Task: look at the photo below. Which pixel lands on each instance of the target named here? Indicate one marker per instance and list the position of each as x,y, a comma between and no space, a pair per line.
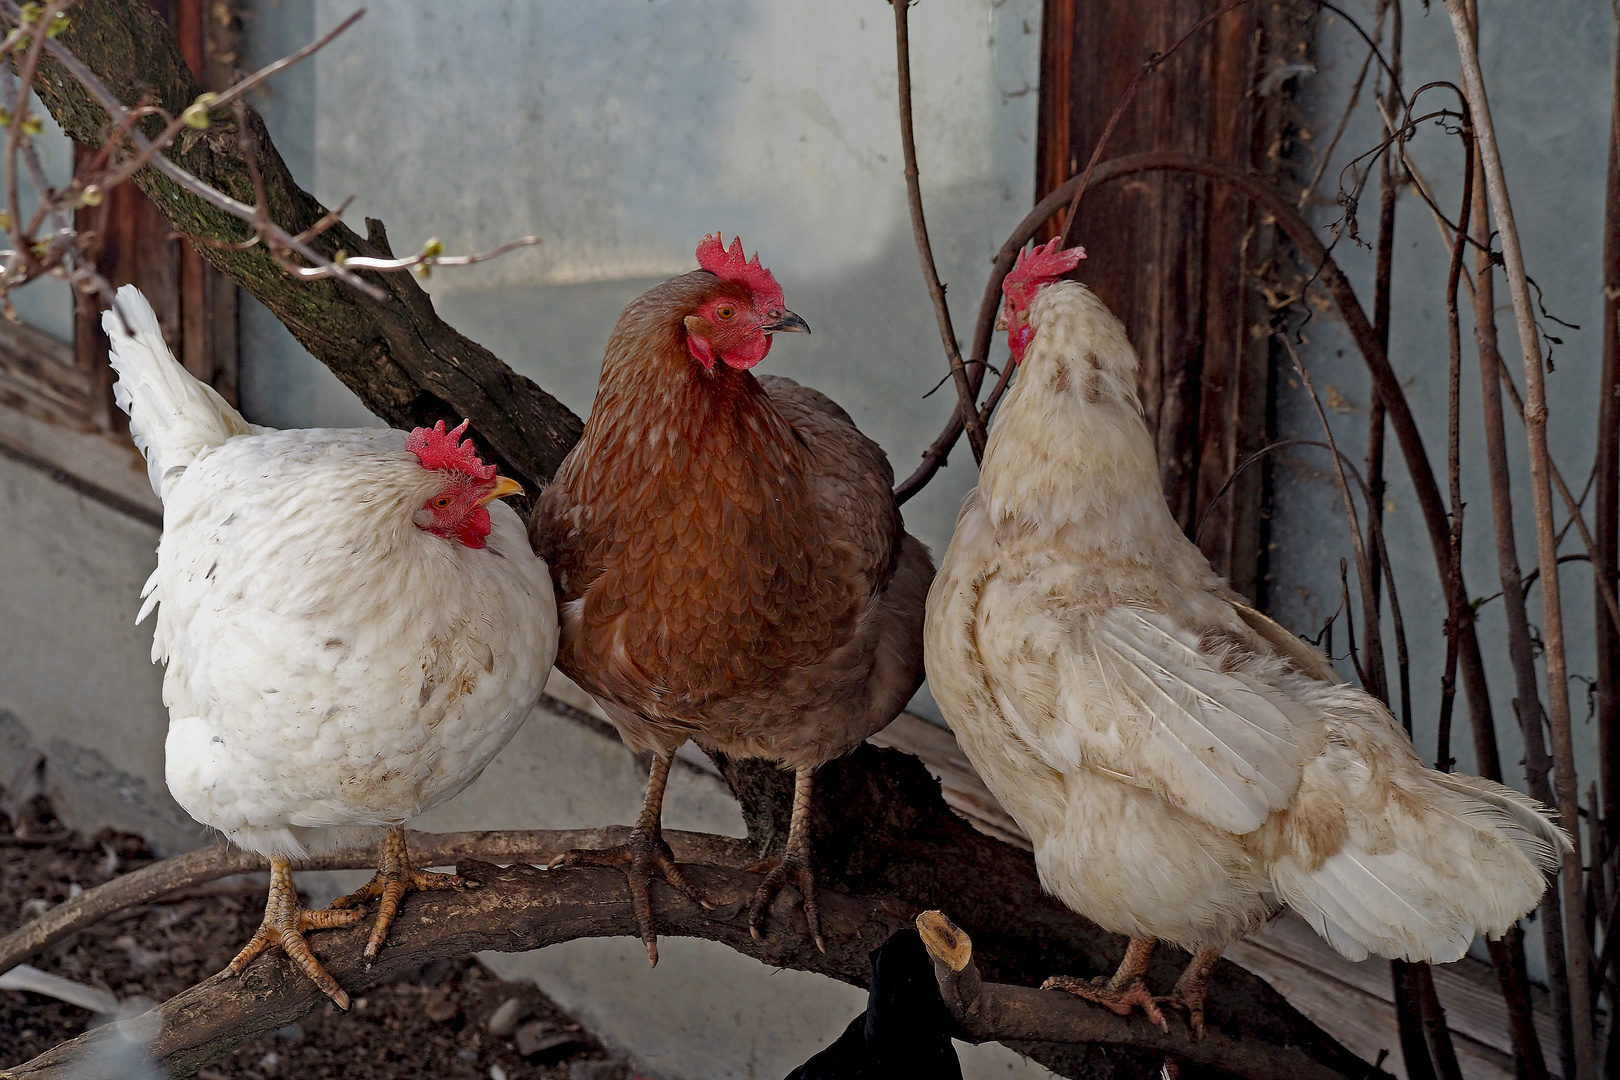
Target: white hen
353,626
1183,765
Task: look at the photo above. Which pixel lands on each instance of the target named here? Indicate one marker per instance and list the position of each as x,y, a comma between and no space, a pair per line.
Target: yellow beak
504,486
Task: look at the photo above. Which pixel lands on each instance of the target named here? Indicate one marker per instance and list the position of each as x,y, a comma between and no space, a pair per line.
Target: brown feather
730,562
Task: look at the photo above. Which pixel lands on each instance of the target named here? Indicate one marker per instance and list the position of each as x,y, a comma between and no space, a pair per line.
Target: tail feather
1531,831
172,416
1476,862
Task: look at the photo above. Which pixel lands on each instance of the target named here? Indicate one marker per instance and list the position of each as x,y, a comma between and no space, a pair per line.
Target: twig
966,391
1357,544
1389,183
277,236
1338,131
1606,545
1017,1014
241,87
1535,416
1454,590
426,259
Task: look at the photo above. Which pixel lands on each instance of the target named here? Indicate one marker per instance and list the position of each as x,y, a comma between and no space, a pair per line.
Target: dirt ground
435,1023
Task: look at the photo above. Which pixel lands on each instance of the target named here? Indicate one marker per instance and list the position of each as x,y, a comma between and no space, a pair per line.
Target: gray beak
786,323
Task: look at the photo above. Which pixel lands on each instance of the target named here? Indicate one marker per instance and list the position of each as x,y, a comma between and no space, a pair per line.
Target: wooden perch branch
1019,1014
515,909
884,827
535,846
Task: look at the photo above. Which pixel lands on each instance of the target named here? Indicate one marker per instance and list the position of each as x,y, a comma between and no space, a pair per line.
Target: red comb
732,266
437,448
1044,264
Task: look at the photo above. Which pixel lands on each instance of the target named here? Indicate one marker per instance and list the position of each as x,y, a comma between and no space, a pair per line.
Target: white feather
172,416
330,665
1181,763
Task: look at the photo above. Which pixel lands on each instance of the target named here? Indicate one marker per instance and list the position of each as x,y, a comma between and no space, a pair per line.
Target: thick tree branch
406,364
536,846
515,909
1018,1014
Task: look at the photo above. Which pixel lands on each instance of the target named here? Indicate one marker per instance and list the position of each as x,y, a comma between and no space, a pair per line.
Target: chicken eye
442,502
725,311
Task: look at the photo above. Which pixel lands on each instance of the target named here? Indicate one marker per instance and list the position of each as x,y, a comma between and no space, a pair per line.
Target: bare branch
966,391
428,849
995,1011
1576,945
515,909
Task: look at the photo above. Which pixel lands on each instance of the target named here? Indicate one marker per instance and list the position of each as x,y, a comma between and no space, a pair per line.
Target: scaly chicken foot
641,856
1192,988
794,864
285,921
1123,993
394,878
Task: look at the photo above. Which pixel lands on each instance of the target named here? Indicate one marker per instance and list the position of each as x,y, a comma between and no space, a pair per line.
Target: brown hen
731,565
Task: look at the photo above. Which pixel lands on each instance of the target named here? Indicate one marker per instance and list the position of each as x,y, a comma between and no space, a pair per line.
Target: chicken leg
394,878
1126,990
285,921
1193,987
793,864
639,857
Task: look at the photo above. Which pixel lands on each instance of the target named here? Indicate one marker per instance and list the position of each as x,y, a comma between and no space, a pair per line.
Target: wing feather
1129,695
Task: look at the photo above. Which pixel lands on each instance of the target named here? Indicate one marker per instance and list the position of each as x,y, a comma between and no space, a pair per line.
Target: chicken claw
791,866
285,921
1192,988
795,864
643,855
1121,1000
394,878
1126,991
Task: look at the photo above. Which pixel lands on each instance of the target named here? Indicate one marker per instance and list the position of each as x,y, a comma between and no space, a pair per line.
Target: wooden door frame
1177,257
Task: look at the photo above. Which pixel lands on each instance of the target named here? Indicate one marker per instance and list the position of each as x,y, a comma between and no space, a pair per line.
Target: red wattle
474,528
749,353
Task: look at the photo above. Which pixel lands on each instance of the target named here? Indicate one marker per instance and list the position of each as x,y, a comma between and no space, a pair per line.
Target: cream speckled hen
731,564
353,626
1183,765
